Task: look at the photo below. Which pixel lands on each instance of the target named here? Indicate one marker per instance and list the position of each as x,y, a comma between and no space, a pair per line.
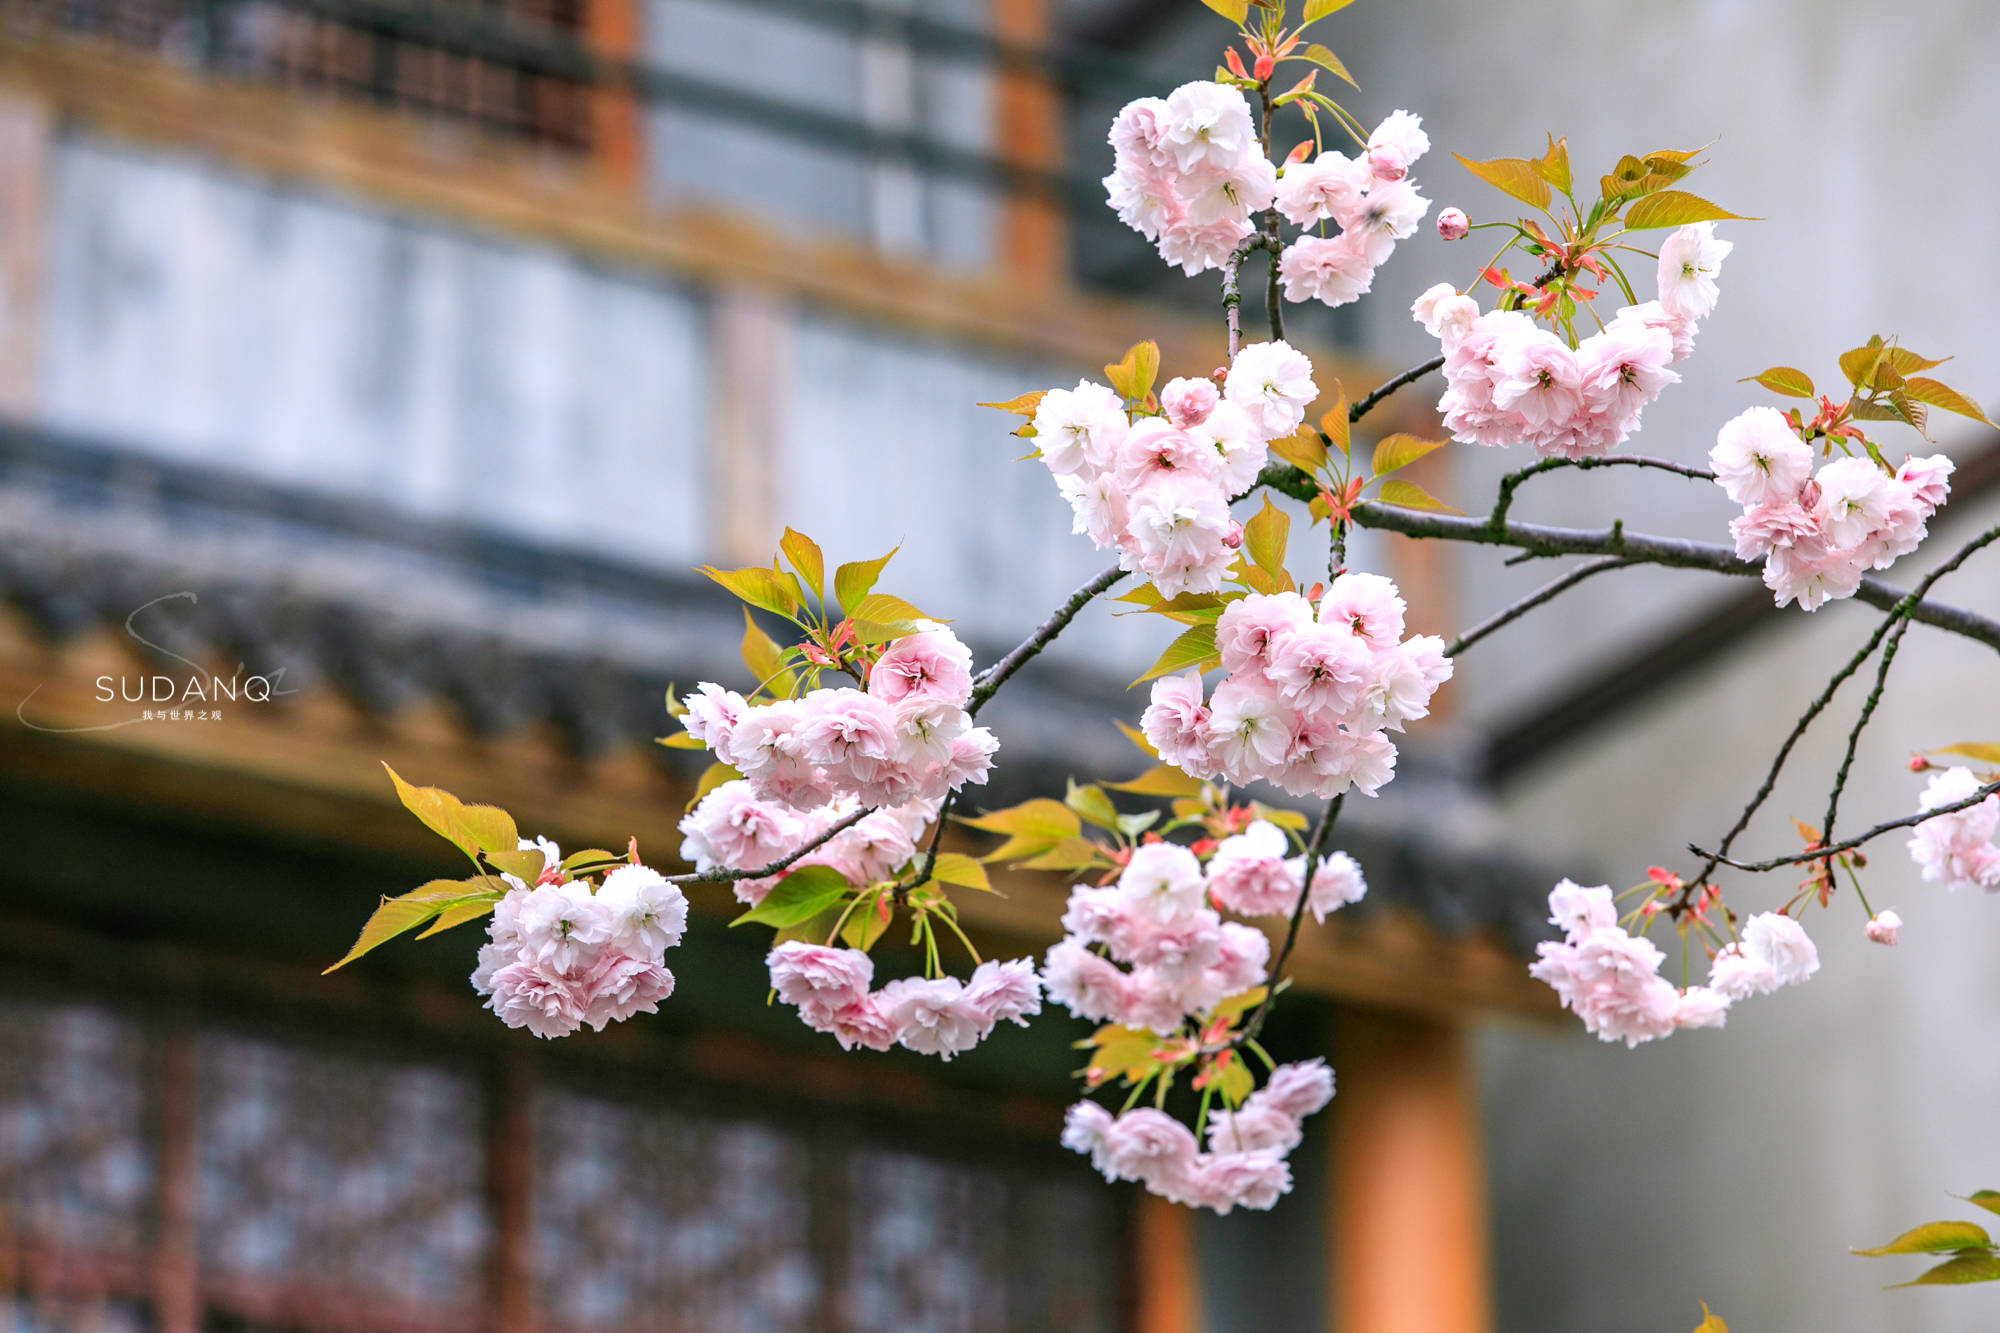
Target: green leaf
806,557
394,916
470,828
1069,854
1328,61
1934,1237
590,856
1040,817
680,740
1334,423
1987,1199
1785,380
1022,406
1675,208
1515,176
1091,803
865,925
760,587
960,869
1974,1267
852,581
1133,376
1138,738
1134,824
1951,400
1265,538
1193,648
457,915
1399,451
1409,495
1160,780
798,898
1233,10
1319,9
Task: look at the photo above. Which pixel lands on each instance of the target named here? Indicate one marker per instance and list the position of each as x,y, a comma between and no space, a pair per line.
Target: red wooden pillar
1029,130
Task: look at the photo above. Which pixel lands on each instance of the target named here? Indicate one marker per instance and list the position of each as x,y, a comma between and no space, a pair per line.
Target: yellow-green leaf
1784,379
1328,61
760,587
1091,803
1022,406
1234,1081
470,828
1987,1199
590,856
1319,9
1160,780
394,916
1711,1322
763,658
1399,451
525,865
458,914
1934,1237
1266,536
1674,208
1938,395
1069,854
806,557
1961,1269
680,740
1194,648
960,869
1133,376
1303,449
1040,818
1138,738
852,581
1233,10
711,777
1334,422
1515,176
1553,166
1409,495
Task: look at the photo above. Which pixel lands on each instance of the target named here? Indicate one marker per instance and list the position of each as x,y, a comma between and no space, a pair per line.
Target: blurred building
406,356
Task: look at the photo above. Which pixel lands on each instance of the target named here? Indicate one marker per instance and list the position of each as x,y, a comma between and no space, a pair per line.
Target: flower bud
1453,225
1233,539
1919,764
1263,68
1883,926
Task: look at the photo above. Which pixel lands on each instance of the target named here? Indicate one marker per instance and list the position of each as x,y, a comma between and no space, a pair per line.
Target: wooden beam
1028,133
1166,1268
457,174
1408,1198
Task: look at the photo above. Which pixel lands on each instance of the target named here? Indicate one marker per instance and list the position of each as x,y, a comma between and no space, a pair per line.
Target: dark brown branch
1512,481
1547,592
724,875
1314,850
992,678
1363,406
1860,839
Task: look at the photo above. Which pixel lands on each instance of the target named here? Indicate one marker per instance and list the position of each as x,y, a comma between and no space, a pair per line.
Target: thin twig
1547,592
723,875
993,677
1363,406
1849,844
1510,483
1314,850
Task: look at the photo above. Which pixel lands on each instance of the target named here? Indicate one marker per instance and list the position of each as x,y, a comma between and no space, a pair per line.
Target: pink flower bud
1188,402
1883,926
1453,225
1233,538
1919,764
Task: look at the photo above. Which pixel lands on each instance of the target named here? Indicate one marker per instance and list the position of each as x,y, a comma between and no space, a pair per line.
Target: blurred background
405,354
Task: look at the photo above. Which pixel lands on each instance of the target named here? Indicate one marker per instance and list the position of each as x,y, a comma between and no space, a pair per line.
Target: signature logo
198,695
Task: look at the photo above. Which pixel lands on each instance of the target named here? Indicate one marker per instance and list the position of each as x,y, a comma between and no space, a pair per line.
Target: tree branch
1547,592
1314,850
1512,481
988,682
723,875
1822,853
1362,407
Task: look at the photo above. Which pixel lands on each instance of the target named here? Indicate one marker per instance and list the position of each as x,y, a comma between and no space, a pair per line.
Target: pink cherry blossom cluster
1244,1165
1957,849
1306,697
1369,196
939,1016
1250,874
906,738
732,829
1818,535
1189,173
1184,958
1611,979
1509,380
560,955
1157,488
